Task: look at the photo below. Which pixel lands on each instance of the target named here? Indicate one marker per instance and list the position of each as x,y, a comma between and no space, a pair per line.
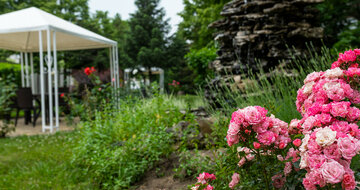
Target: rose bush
330,136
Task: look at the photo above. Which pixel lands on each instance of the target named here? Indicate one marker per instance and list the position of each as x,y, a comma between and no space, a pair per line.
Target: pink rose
316,161
266,138
256,145
347,56
209,187
348,182
315,178
250,157
347,147
237,117
353,114
234,180
278,181
253,116
307,183
287,168
312,77
340,109
332,152
242,161
332,171
313,147
297,142
335,64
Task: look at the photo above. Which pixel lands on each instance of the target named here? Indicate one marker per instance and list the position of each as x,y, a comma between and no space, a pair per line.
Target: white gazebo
33,30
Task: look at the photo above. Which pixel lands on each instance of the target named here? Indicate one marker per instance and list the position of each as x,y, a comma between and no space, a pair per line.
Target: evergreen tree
148,36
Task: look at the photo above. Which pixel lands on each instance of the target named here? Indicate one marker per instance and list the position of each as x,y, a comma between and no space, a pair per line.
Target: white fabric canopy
33,30
19,32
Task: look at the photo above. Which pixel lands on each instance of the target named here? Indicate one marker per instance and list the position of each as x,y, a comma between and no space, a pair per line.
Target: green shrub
115,149
198,61
10,68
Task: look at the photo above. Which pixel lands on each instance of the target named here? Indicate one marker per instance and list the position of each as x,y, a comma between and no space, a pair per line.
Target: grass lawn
40,162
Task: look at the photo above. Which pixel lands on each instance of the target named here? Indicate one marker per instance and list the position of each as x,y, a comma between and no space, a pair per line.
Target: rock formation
257,33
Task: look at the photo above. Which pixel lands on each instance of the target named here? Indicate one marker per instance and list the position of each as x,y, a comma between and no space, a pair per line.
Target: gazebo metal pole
27,70
56,84
117,67
113,61
32,73
49,63
42,84
111,67
117,76
22,69
114,75
161,80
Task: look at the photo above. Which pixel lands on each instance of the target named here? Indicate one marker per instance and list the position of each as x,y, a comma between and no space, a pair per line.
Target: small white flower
308,87
334,73
325,137
304,143
331,85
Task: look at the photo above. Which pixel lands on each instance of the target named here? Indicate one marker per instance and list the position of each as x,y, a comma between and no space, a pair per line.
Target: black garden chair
24,101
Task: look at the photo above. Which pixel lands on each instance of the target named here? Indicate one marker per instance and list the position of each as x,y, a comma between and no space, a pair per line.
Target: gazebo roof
19,32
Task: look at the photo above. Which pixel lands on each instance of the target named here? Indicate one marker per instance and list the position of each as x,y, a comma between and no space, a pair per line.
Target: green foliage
94,98
276,91
40,162
117,148
337,16
192,163
14,69
178,69
147,38
7,93
198,61
197,15
349,38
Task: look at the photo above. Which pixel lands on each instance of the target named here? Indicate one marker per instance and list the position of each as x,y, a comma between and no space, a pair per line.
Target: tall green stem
264,171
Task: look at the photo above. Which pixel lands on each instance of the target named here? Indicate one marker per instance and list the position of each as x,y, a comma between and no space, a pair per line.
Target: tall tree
197,15
148,35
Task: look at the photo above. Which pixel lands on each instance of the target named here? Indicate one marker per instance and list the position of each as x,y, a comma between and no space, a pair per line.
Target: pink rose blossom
278,181
332,152
347,147
347,56
242,162
332,171
297,142
340,109
234,180
316,161
348,182
287,168
266,138
253,116
256,145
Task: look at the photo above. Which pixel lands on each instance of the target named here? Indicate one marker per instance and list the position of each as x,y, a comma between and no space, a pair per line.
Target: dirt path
162,177
22,129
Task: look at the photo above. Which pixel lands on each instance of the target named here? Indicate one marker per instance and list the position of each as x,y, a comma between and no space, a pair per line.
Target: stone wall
258,33
263,29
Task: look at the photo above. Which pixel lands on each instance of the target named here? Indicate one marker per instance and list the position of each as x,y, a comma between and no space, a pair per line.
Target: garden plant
328,103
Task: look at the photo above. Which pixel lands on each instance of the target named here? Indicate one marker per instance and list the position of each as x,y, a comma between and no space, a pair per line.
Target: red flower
297,142
88,71
62,95
256,145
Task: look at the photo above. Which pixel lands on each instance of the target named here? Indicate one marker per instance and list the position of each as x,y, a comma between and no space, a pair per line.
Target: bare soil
162,177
